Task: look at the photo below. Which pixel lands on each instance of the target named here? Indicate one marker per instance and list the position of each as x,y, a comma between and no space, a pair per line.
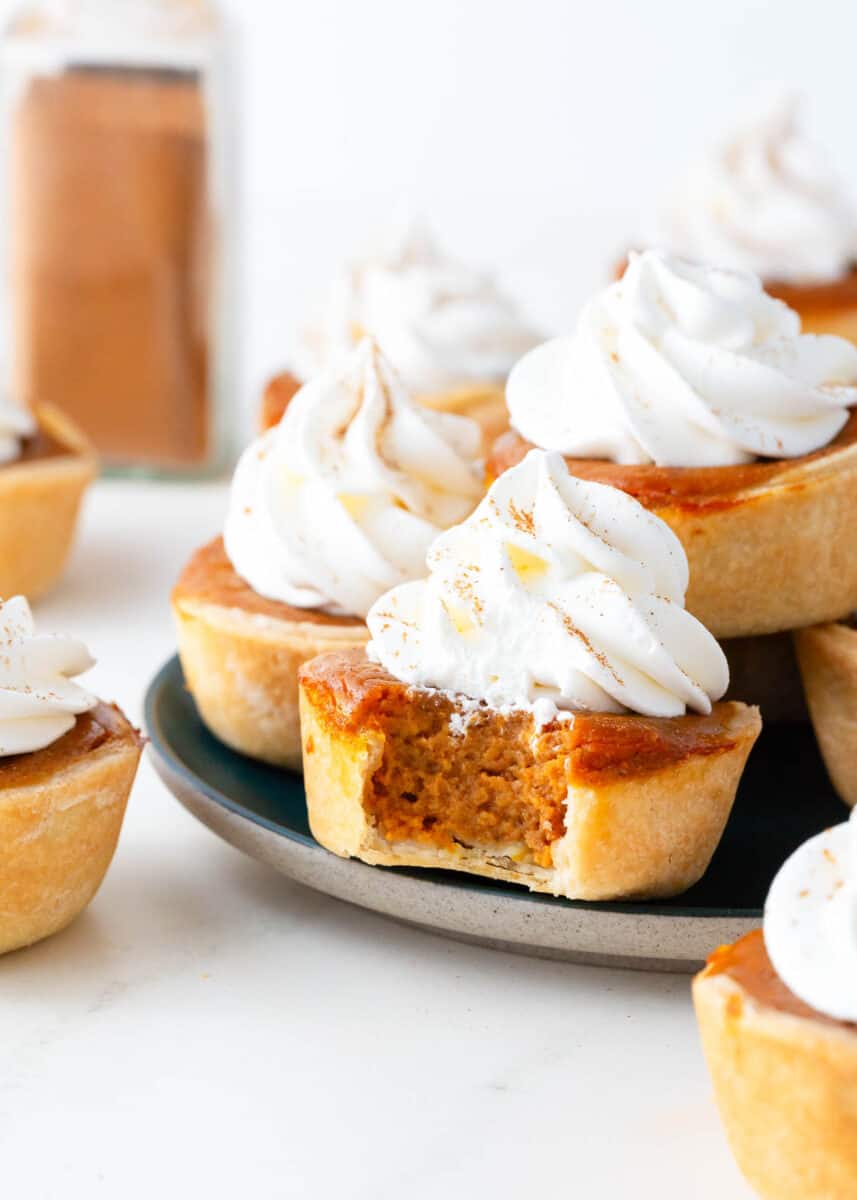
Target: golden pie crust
785,1078
770,543
40,496
484,403
604,807
61,810
827,655
241,652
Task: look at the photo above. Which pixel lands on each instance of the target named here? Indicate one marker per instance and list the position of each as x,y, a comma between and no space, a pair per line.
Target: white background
533,134
207,1028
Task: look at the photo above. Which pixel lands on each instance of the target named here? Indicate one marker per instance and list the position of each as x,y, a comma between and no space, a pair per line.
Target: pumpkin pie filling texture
450,776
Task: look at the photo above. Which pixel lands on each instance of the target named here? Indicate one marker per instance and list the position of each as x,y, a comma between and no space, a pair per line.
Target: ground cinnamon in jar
110,258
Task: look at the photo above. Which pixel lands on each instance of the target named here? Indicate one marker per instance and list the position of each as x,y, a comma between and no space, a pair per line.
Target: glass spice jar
121,224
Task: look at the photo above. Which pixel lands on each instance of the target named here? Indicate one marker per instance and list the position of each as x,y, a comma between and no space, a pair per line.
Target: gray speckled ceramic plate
784,798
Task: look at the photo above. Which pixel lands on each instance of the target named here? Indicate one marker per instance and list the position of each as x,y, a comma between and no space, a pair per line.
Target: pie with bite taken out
785,1077
604,806
40,496
61,810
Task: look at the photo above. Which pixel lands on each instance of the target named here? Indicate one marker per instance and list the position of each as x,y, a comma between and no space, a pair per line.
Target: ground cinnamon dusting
572,630
111,258
523,521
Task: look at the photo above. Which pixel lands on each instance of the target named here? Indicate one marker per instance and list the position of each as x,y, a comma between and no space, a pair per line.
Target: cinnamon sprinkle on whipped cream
811,922
342,499
684,365
580,607
39,700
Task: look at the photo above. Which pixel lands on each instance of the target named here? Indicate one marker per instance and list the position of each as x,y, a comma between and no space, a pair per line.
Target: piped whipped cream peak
39,699
16,424
342,499
764,200
684,365
811,922
556,594
442,324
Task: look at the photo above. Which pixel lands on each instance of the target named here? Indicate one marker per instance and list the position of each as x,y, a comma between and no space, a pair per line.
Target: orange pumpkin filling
674,487
91,730
210,578
462,774
748,964
276,399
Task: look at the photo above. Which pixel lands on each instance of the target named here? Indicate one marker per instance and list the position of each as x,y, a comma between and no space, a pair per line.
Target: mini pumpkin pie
827,655
778,1016
45,467
521,713
67,763
330,508
765,200
448,331
695,392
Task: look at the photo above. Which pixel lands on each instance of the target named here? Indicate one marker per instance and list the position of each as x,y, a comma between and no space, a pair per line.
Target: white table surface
210,1029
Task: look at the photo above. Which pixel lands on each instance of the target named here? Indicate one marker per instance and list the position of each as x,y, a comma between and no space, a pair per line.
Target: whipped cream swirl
38,697
684,365
341,500
441,324
765,201
811,922
556,593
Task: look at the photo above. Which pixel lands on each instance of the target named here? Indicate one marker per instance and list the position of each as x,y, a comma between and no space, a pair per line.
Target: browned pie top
91,730
748,964
352,693
276,399
210,578
675,487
